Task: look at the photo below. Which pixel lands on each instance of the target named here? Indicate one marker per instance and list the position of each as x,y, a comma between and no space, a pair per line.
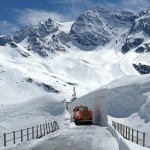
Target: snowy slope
23,78
34,76
32,113
49,57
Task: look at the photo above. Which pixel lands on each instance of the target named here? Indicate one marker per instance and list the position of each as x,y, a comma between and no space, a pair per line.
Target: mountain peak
148,11
50,20
98,26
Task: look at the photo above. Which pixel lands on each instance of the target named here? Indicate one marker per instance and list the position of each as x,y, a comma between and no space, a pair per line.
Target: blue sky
17,13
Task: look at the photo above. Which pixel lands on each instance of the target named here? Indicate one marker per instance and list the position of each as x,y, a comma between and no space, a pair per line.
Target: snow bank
127,96
123,143
96,102
32,113
128,102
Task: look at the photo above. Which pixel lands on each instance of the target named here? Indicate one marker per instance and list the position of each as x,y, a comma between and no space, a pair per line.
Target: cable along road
80,138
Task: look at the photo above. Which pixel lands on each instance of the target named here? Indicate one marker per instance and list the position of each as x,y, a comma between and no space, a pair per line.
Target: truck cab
82,115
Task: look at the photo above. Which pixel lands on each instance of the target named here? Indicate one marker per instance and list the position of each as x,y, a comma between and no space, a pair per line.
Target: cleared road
80,138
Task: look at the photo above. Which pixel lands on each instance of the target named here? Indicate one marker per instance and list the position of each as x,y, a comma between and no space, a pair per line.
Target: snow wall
96,102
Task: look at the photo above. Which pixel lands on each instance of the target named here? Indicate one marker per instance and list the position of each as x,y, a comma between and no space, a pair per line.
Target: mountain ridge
87,53
85,32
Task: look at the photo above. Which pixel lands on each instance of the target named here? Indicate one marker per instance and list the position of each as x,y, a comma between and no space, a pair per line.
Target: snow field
87,69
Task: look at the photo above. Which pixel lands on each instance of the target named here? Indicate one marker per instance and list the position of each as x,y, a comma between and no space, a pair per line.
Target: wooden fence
130,134
30,133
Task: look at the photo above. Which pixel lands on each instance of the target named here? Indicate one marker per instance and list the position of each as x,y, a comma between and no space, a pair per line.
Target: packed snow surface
80,138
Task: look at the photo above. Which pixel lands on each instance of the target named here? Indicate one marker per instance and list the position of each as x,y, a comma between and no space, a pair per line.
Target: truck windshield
83,108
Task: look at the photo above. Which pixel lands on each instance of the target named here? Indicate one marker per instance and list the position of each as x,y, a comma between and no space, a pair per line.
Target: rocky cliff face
43,39
98,26
53,57
138,33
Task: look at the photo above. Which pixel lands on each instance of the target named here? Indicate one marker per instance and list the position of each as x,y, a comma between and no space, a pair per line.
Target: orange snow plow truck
82,115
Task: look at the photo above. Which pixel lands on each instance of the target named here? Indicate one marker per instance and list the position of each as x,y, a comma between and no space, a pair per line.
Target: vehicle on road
82,115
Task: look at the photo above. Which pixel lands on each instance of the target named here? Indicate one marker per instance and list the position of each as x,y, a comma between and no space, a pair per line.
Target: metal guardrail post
32,132
132,135
21,135
41,130
44,128
37,131
123,130
115,125
27,134
54,126
128,133
4,139
137,138
49,128
144,139
14,138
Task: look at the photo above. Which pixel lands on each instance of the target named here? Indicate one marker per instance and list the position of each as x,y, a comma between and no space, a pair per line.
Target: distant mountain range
99,30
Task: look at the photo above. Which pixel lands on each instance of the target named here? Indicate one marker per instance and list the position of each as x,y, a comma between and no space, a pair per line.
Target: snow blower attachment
82,115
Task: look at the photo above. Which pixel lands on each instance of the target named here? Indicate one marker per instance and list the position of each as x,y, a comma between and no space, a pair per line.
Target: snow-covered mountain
99,26
41,39
100,46
52,57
